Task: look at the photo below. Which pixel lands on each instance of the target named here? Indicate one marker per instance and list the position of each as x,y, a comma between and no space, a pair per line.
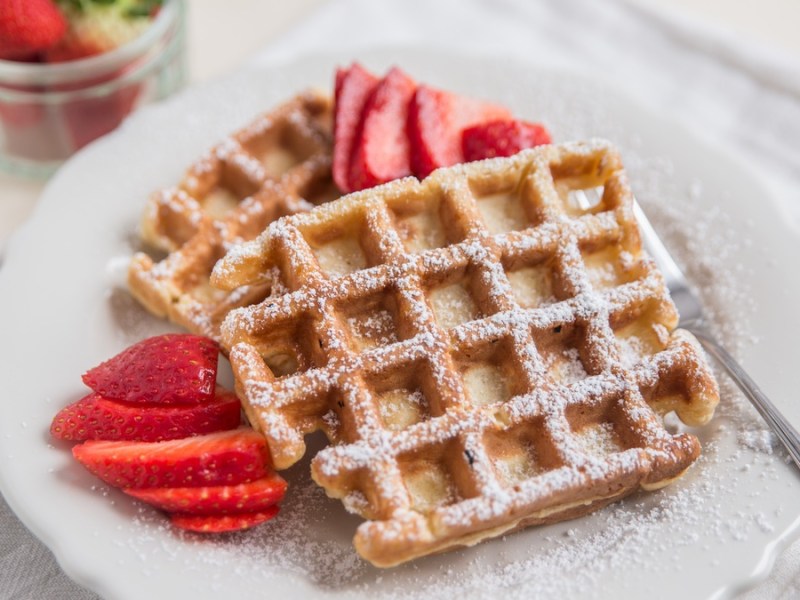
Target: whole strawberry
28,27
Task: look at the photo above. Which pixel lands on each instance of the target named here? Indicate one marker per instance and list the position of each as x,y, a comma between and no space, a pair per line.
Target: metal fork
691,319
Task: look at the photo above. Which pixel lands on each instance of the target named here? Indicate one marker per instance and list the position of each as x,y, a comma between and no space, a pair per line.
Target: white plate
61,312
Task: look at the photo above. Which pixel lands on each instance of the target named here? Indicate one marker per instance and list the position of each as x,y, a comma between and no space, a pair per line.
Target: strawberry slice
224,458
165,369
502,138
223,523
382,152
435,121
96,418
353,86
215,500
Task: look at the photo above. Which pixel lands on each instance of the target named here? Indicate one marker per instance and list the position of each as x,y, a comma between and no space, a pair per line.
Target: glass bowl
49,111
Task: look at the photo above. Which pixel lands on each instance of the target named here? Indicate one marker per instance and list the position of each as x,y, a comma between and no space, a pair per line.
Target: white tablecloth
734,92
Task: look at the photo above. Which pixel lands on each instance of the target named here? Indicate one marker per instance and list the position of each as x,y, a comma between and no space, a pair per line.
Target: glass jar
49,111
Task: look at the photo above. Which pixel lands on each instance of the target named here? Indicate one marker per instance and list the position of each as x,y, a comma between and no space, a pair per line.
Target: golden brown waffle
277,165
486,350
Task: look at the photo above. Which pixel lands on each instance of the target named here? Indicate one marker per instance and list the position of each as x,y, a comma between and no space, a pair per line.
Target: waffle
277,165
486,350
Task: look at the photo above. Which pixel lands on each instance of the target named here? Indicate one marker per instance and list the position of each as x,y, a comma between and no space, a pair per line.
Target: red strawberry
223,523
224,458
353,87
89,118
28,27
217,500
382,153
435,121
502,138
168,369
96,418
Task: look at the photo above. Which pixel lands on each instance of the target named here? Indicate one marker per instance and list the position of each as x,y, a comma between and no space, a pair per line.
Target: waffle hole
218,202
371,322
401,408
488,375
282,362
503,212
516,461
453,305
640,340
520,453
485,384
320,190
609,267
580,184
595,432
584,200
559,348
341,256
278,161
430,486
428,480
420,227
337,249
402,395
532,286
278,148
599,440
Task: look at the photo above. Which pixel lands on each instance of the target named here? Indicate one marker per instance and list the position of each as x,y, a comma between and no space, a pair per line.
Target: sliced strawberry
502,138
225,458
435,121
166,369
223,523
217,500
353,86
96,418
381,153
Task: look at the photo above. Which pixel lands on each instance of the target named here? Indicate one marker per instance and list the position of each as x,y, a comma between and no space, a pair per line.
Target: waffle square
486,350
277,165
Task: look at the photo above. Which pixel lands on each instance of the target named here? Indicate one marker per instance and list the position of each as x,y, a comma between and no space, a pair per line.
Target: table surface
770,22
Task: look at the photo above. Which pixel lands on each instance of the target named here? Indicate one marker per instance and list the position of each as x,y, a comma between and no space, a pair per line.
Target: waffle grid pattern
460,404
277,165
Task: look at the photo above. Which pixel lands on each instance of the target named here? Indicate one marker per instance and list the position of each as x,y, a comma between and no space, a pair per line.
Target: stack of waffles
486,349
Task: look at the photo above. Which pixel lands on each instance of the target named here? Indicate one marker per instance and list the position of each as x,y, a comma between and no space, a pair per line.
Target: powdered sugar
574,559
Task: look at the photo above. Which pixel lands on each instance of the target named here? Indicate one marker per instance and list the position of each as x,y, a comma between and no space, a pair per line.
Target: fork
692,319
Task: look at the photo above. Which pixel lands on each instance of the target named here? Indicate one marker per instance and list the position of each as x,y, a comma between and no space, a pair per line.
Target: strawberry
28,27
215,500
381,153
224,458
435,121
166,369
501,138
223,523
96,418
353,87
87,119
